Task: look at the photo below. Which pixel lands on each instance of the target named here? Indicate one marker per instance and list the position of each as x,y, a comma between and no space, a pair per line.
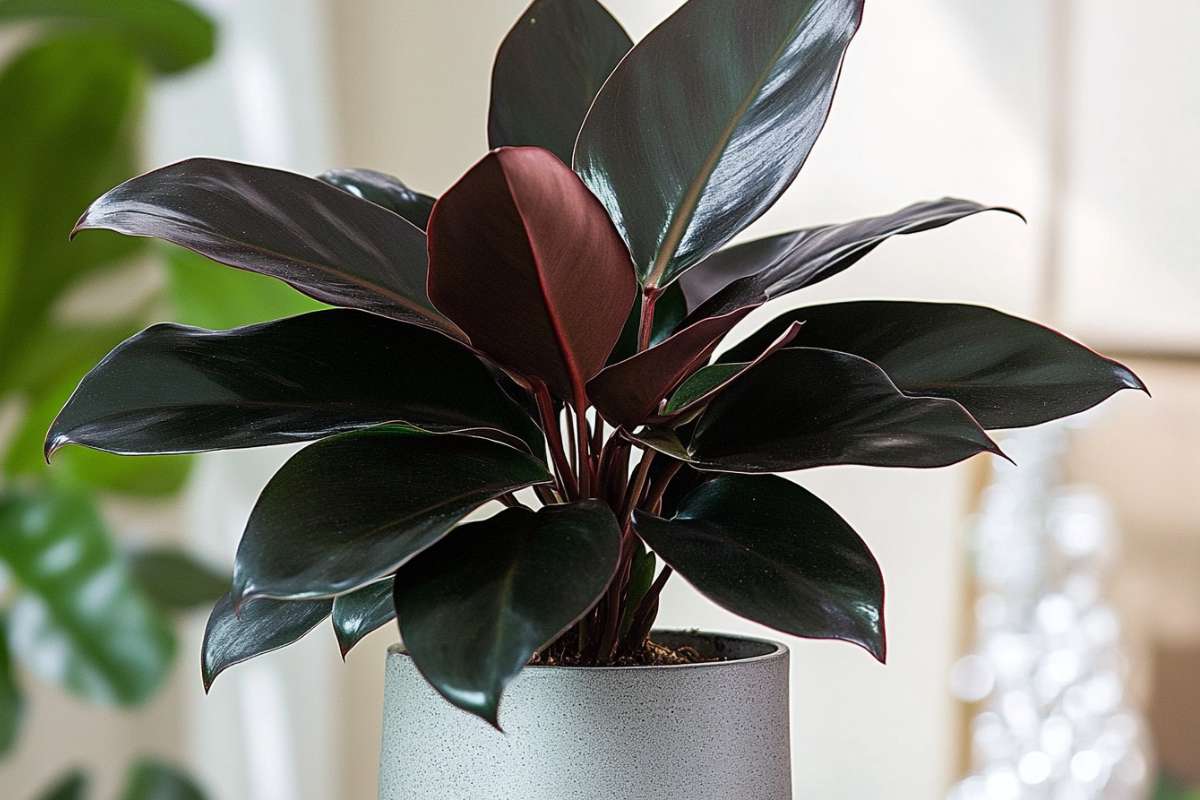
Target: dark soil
651,654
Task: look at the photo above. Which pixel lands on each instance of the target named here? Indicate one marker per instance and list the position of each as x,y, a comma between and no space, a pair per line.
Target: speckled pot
715,731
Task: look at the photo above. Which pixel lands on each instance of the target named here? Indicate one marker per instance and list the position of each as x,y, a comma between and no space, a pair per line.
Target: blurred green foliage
75,608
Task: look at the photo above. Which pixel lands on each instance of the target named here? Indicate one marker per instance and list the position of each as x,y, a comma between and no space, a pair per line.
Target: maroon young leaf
548,70
1007,372
750,274
806,407
774,553
317,238
708,119
524,259
627,393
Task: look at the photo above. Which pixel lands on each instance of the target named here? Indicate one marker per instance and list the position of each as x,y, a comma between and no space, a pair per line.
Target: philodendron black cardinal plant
543,335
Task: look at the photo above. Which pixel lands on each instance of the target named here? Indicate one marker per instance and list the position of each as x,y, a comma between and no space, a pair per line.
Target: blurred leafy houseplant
74,608
543,335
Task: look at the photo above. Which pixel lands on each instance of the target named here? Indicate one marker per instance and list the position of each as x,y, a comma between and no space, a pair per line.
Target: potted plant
542,338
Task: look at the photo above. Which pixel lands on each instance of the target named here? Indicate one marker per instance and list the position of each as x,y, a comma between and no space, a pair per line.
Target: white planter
714,731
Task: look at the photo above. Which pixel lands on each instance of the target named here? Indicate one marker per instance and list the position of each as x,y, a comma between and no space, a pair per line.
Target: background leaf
176,581
548,70
259,627
224,298
72,786
519,237
78,619
774,553
12,699
475,607
1007,372
708,119
150,779
171,35
350,509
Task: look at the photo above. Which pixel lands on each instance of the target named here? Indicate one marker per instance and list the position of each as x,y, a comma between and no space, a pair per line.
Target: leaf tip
54,442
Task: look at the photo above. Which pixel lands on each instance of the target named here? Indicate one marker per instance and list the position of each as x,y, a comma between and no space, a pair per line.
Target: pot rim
778,650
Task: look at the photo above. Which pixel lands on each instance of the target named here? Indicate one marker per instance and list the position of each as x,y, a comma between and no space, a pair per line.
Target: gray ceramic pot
714,731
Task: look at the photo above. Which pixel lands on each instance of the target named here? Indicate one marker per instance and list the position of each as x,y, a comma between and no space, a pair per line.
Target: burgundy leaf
628,392
524,259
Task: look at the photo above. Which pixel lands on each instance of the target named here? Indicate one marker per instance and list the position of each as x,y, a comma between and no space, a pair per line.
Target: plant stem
646,324
634,492
550,423
659,486
585,484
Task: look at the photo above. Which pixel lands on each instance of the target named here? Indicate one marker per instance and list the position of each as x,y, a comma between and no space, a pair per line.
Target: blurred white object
1048,668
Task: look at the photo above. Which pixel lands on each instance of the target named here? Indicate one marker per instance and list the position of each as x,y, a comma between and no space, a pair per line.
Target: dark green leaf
78,98
475,608
774,553
322,241
627,393
225,298
548,70
383,190
72,786
261,626
350,509
12,699
708,119
750,274
361,612
804,407
1007,372
171,35
79,619
176,581
149,779
507,243
176,389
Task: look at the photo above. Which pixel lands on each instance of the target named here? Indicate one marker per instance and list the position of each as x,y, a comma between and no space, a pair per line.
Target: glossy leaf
79,619
474,608
702,386
520,238
774,553
627,393
225,298
12,698
750,274
175,580
806,407
322,241
548,70
171,34
150,779
78,96
174,389
349,510
259,627
1007,372
361,612
708,119
383,190
72,786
